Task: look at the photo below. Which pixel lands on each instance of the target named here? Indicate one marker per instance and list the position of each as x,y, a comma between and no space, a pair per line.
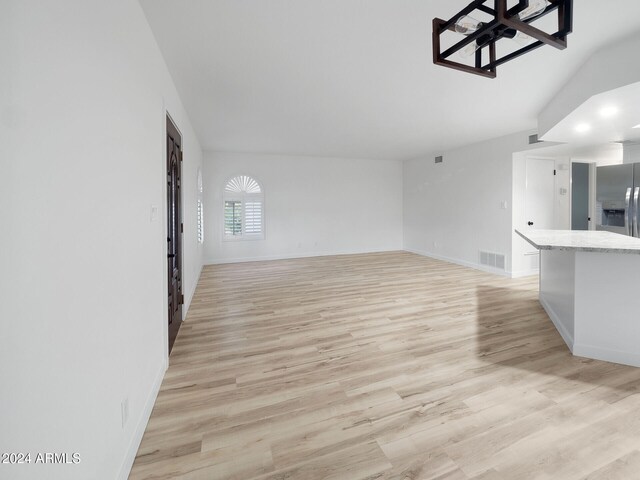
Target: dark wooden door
174,229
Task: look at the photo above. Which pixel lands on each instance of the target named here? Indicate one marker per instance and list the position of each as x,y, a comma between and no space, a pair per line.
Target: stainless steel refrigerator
617,199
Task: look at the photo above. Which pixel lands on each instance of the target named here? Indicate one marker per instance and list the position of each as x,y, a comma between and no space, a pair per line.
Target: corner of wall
141,425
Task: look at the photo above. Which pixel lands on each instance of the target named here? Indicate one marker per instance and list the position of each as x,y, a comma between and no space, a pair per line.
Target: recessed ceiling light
637,126
608,111
583,127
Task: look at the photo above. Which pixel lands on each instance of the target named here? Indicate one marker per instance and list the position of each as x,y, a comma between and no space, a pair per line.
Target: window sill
242,239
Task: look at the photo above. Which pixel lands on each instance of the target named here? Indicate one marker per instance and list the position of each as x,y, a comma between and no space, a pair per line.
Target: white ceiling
355,78
604,118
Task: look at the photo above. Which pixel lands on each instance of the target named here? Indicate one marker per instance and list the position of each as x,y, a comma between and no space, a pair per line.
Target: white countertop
580,240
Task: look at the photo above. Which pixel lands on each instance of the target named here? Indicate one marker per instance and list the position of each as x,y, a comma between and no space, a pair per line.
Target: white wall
454,209
83,289
631,152
601,155
313,206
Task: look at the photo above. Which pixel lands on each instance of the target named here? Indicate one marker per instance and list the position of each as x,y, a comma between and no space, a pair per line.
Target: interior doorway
538,208
174,229
539,194
580,186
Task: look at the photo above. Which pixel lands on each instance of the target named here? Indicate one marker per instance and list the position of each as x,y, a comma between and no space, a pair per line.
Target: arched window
243,209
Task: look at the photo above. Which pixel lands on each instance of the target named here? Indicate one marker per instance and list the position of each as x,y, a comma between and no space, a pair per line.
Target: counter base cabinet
594,301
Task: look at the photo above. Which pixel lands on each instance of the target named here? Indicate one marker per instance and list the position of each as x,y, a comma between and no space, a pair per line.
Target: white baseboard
476,266
462,263
218,261
193,292
607,355
590,351
564,333
525,273
132,450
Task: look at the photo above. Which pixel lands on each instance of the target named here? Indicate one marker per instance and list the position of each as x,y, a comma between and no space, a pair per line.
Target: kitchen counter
582,241
590,288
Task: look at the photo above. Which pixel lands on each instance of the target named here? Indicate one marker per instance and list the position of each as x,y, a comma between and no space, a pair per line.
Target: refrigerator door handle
636,195
627,211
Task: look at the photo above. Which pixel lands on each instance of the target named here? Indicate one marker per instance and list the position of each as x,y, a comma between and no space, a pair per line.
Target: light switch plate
124,410
154,213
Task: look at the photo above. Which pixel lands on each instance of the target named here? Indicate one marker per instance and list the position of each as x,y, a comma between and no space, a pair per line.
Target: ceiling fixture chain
504,22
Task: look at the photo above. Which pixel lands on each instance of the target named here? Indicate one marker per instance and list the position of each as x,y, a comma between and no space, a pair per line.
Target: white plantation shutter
233,218
253,217
243,209
200,222
242,184
200,208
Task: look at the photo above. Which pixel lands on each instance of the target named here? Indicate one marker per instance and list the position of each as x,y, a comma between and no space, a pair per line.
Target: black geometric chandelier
505,22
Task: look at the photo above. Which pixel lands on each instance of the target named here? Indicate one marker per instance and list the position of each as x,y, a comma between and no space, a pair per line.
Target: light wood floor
383,366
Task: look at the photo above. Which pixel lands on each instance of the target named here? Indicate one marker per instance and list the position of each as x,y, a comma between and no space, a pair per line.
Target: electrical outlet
124,410
153,214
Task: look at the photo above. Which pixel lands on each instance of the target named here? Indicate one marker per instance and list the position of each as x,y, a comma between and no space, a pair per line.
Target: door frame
593,171
170,125
531,254
590,194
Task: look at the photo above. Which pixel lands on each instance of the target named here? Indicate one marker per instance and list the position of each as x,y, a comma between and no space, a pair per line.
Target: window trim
243,198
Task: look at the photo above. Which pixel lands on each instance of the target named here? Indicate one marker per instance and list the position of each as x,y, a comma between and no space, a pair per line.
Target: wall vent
439,159
493,260
534,139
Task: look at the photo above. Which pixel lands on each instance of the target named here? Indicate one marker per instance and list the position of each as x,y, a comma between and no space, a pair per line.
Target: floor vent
494,260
